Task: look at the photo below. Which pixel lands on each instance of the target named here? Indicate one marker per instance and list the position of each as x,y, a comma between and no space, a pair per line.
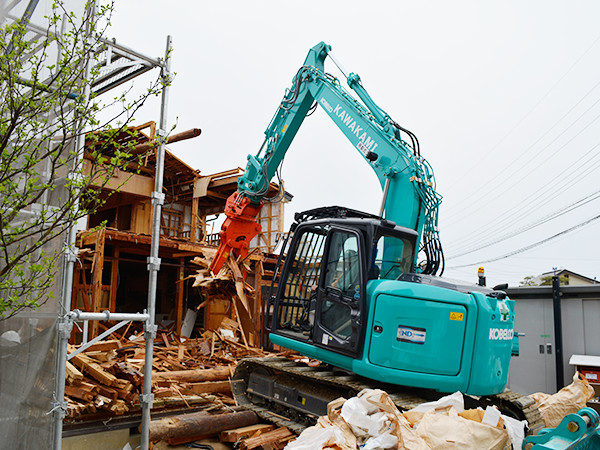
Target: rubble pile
108,376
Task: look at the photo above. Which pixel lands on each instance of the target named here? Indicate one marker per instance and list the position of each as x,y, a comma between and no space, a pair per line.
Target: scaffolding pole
65,324
67,317
158,198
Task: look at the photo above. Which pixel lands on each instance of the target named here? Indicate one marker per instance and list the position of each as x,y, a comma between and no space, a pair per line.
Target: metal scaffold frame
68,317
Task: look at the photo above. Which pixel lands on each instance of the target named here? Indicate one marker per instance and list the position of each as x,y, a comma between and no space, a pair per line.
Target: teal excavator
359,291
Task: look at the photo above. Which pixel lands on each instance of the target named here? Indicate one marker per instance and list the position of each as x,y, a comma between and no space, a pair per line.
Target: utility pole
558,345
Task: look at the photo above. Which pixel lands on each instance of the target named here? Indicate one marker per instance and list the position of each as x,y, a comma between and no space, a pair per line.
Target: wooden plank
77,392
245,319
73,374
210,387
239,282
108,392
86,365
237,316
275,436
104,355
245,432
104,346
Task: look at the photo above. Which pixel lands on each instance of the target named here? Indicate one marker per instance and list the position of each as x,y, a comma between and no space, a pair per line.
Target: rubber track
404,398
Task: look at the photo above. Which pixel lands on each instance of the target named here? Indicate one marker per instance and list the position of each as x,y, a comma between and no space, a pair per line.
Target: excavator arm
409,200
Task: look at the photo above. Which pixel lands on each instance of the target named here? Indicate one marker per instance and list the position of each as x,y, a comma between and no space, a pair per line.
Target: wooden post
98,266
194,224
180,287
76,286
114,276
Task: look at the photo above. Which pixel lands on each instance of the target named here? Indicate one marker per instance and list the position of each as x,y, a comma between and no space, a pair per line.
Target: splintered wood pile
108,376
230,285
106,380
190,377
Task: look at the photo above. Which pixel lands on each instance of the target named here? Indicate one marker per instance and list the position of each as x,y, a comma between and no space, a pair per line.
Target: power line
573,206
542,197
529,247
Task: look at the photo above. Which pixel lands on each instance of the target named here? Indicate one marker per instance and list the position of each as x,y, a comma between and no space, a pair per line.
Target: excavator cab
322,294
349,295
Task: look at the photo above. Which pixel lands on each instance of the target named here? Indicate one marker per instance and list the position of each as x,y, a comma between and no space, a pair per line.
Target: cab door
340,294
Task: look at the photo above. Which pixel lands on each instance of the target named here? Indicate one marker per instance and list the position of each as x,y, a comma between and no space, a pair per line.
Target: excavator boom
407,180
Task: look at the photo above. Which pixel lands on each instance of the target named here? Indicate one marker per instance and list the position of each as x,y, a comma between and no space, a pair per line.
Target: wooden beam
218,373
184,254
224,182
211,193
142,148
143,239
124,182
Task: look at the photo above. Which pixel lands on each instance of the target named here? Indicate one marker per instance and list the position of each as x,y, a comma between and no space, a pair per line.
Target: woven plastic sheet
27,376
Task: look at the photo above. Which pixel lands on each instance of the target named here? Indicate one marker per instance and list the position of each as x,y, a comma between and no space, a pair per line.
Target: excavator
358,291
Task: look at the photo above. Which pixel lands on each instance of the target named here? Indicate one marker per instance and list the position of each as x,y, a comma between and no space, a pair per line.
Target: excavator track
293,395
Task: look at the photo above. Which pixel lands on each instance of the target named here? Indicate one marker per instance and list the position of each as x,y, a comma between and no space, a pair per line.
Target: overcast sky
503,96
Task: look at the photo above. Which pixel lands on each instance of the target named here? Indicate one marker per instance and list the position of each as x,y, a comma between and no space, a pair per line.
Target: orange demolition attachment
238,229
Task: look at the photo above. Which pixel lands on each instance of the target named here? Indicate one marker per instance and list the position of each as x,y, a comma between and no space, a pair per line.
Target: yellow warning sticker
456,316
284,128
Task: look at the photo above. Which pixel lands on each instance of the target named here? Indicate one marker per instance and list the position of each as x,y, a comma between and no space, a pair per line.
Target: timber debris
108,376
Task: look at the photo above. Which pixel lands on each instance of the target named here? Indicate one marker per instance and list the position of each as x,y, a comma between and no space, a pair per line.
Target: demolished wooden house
206,321
112,270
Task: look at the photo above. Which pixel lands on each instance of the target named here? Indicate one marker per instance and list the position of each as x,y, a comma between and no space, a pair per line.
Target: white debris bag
516,431
371,421
317,438
383,441
455,400
364,418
